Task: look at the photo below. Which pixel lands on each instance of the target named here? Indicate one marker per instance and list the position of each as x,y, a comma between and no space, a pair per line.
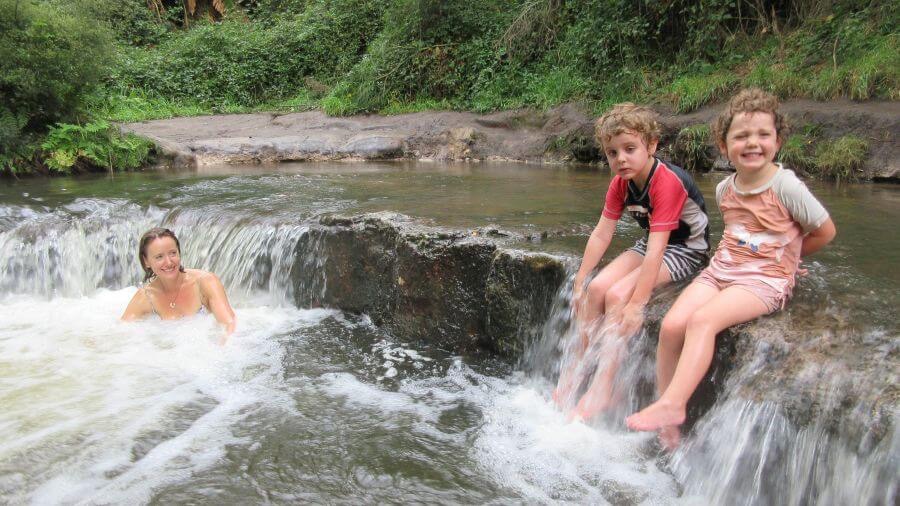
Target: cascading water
747,449
300,405
313,405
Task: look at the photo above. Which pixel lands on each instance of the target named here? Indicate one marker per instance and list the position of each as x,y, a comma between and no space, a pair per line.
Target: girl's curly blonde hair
628,117
749,100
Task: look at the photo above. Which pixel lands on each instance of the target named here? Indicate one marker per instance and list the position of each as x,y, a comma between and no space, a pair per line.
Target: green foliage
130,105
426,104
98,144
130,21
50,60
246,63
842,158
394,56
693,91
428,48
692,148
797,150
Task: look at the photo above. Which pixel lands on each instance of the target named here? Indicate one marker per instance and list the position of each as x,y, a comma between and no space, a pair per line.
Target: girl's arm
217,301
818,238
596,247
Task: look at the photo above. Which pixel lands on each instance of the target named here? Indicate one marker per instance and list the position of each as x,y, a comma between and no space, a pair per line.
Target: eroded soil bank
561,134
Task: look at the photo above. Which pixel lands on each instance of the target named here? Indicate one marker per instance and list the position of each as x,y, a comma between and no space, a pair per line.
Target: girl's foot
656,416
670,437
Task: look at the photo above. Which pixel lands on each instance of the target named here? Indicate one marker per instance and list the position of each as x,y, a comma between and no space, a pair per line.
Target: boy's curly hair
749,100
628,117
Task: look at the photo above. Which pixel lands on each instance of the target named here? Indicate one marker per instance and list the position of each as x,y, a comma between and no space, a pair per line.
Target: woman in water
171,291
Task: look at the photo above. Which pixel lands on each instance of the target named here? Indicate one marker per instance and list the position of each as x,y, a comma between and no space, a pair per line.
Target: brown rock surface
559,135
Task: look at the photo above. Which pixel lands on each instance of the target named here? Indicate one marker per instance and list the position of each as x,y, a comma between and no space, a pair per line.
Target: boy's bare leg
731,306
599,395
593,307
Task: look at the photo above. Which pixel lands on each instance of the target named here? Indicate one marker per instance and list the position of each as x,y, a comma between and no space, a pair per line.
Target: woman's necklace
177,293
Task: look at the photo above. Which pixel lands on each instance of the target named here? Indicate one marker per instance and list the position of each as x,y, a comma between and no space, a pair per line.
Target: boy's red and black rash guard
669,201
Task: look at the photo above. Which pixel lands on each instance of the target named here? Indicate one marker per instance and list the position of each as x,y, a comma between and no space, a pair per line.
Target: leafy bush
246,63
93,145
130,21
50,60
428,49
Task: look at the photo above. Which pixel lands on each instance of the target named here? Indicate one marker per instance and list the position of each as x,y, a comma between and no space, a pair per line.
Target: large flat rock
561,134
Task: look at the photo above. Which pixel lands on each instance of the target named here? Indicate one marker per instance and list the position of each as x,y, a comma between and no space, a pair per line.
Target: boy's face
629,156
752,141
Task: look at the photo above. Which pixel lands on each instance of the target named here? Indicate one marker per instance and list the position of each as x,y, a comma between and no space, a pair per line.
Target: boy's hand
630,318
577,294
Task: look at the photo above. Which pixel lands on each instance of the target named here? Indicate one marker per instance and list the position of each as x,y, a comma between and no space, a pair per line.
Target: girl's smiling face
752,141
163,257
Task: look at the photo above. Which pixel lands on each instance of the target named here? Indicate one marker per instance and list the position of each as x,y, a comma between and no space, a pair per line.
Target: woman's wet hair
150,236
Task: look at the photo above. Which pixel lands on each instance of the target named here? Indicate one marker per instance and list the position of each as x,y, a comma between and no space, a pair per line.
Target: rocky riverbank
562,134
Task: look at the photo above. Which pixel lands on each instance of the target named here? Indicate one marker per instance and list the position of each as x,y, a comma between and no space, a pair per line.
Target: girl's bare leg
729,307
671,340
672,330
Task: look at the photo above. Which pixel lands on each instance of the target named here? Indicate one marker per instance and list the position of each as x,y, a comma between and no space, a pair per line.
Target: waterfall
747,449
92,244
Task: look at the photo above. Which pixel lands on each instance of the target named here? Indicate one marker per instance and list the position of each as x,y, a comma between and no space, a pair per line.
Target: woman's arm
138,308
217,301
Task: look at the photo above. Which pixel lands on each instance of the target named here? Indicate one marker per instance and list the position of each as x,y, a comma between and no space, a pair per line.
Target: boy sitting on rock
665,201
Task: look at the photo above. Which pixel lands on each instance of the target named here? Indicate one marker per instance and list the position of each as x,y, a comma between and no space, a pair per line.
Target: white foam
81,390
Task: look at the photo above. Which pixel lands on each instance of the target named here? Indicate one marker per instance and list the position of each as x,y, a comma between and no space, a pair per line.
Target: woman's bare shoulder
203,278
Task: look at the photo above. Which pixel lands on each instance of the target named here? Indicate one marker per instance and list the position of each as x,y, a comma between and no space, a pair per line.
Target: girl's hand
801,271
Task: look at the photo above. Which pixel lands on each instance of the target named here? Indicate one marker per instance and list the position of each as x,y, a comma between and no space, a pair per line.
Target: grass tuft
842,159
692,92
692,149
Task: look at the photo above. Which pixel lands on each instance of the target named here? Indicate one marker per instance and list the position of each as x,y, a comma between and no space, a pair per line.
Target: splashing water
312,405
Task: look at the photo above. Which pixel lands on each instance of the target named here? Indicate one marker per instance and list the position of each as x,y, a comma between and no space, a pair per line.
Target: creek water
315,405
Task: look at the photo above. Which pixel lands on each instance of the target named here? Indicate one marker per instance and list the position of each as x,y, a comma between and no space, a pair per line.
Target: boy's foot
656,416
670,437
557,396
591,404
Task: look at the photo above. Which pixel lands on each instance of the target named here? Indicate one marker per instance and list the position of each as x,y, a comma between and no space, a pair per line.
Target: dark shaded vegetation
136,59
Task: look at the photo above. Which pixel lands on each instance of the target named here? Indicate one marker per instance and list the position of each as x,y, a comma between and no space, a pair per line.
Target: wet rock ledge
472,290
462,290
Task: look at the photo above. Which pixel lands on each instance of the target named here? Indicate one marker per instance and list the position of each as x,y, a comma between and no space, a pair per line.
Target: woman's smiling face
163,257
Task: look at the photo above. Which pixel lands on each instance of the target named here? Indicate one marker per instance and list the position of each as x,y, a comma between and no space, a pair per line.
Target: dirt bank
559,135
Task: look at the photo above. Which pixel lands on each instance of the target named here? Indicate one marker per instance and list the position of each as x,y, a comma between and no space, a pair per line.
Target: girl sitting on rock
771,221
